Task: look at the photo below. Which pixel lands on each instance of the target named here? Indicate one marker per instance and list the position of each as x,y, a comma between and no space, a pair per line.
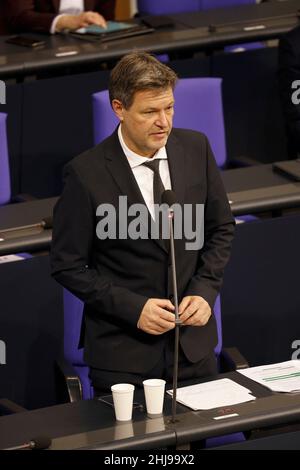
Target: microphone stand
177,319
46,223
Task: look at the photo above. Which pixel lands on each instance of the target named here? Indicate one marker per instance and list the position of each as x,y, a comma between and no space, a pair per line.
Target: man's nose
162,119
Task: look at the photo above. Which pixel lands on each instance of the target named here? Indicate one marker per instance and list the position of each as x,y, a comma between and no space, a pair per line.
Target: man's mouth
160,133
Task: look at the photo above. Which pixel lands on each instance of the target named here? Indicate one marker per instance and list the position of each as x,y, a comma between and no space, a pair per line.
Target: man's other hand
194,311
157,317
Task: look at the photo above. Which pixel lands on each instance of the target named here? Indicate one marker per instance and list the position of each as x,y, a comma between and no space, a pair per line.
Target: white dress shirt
143,175
67,7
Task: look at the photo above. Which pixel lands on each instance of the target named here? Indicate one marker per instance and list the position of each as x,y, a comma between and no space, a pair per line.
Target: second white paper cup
123,401
154,395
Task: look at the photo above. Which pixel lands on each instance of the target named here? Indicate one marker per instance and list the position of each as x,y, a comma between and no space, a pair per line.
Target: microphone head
40,442
168,197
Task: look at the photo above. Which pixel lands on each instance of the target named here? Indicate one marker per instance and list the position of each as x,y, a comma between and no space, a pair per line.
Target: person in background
55,16
289,86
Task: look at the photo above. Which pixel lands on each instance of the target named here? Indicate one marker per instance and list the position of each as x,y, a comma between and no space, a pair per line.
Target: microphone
38,443
169,198
46,223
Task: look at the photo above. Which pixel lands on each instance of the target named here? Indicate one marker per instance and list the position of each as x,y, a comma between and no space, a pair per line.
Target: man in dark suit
125,281
56,15
289,84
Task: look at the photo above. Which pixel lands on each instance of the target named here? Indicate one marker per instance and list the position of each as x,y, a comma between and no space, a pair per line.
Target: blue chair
157,7
210,4
81,388
152,7
5,188
5,185
198,106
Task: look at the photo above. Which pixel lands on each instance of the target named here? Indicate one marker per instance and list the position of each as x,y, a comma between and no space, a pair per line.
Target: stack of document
281,377
10,258
214,394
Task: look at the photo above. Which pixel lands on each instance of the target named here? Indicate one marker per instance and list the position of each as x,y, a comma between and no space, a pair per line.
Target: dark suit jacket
289,70
116,277
37,15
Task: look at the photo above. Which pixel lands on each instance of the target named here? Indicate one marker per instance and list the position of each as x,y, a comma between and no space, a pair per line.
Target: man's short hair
138,71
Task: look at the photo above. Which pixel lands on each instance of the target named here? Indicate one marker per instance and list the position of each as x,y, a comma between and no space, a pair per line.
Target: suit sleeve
106,8
218,234
74,230
22,16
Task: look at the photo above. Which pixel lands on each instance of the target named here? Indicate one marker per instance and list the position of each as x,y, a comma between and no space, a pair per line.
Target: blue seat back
165,7
5,188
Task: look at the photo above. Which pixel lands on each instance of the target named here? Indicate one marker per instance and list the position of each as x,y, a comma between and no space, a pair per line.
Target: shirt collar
135,159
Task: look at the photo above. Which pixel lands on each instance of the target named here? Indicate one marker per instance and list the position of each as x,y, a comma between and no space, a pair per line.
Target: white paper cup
154,390
123,401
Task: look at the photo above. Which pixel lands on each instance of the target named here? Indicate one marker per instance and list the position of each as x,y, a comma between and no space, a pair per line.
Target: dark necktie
158,187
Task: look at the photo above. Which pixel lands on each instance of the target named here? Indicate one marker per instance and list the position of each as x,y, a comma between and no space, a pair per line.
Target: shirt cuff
54,22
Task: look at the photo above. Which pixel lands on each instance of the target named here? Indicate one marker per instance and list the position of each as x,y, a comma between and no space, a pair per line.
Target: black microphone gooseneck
46,223
168,197
38,443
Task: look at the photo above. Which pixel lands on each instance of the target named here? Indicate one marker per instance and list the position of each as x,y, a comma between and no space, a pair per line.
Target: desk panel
260,294
91,424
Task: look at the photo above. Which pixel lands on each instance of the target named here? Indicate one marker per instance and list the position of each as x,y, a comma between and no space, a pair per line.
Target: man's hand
73,22
194,311
156,317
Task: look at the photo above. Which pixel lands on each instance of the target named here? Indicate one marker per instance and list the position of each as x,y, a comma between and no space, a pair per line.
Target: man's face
147,124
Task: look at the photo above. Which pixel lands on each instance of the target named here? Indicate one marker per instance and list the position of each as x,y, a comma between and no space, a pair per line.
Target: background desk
251,190
91,424
49,108
191,31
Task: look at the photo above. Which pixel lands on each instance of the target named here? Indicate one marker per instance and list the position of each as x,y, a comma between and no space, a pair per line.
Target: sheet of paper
214,394
280,377
10,258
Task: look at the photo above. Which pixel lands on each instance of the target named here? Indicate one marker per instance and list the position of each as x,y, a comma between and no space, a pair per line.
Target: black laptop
115,30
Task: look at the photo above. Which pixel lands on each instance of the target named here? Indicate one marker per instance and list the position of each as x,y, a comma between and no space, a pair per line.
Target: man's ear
118,108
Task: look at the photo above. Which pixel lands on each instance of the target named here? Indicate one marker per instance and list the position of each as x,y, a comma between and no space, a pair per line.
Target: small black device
25,41
158,21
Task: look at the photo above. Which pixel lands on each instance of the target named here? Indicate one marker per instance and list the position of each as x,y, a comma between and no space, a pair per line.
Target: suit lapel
120,170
